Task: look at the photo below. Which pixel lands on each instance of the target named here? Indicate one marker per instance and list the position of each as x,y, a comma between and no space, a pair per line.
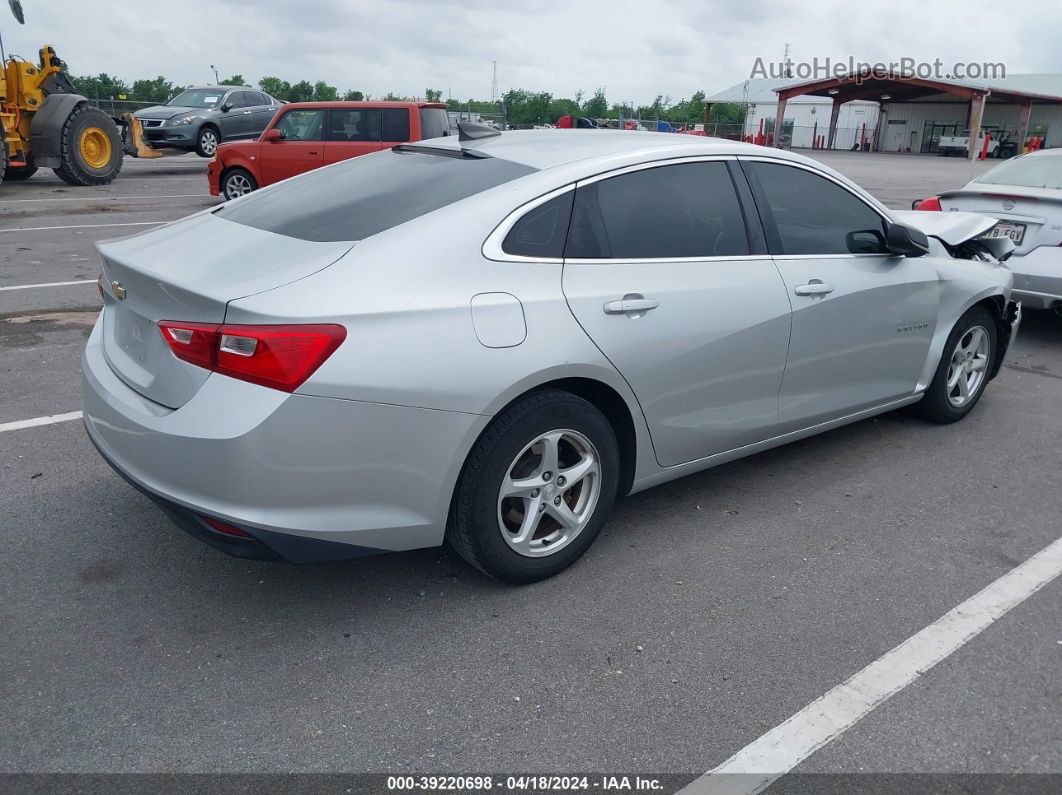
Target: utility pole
787,63
494,83
217,80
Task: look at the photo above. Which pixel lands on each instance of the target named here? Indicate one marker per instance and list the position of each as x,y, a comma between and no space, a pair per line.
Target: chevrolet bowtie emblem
118,290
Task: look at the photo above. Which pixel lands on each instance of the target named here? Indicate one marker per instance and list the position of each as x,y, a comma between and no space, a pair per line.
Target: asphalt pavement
710,609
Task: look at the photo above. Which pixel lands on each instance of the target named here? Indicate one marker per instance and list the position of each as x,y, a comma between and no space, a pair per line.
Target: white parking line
18,425
82,226
757,765
108,198
47,284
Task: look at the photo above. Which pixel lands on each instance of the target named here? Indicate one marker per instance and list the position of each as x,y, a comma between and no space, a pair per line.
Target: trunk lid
1031,214
189,270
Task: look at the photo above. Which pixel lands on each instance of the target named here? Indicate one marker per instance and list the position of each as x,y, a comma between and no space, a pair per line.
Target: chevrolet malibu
486,339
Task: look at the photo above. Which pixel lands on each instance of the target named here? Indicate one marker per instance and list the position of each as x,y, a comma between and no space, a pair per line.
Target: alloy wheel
549,493
237,185
208,142
968,365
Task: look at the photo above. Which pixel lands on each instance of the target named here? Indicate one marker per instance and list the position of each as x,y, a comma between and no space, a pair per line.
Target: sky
635,50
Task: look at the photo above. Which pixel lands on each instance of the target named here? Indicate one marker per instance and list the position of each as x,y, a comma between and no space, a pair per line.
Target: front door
301,148
233,122
863,319
658,272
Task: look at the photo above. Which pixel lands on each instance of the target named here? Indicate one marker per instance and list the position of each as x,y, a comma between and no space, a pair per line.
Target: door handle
813,287
247,113
631,304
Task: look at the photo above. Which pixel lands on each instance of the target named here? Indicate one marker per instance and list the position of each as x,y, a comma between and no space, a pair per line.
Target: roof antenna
474,131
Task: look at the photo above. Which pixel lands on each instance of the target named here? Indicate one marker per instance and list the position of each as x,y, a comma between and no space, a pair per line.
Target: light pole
217,80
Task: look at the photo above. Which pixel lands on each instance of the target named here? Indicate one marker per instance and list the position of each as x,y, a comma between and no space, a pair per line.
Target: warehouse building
900,113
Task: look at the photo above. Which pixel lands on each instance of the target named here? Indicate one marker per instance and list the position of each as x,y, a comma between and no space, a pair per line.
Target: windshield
197,98
1030,171
369,194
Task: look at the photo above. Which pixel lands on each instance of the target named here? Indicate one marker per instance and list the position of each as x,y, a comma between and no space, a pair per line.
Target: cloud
636,49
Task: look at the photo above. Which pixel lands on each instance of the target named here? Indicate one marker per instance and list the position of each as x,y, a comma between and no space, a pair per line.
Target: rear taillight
279,357
192,342
932,204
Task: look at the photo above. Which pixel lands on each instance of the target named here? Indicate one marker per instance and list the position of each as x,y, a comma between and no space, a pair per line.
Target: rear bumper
1037,277
309,478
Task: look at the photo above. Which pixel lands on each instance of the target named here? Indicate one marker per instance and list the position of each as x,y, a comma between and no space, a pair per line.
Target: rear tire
969,356
90,148
536,488
237,182
207,141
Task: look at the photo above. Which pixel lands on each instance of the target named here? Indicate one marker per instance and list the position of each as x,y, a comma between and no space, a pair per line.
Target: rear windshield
1043,171
366,195
198,98
434,123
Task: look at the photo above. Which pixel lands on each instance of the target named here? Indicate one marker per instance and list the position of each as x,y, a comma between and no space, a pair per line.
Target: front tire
237,182
90,148
968,358
206,143
536,489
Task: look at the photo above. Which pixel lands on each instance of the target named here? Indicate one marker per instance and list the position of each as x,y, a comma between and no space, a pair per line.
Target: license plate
1005,229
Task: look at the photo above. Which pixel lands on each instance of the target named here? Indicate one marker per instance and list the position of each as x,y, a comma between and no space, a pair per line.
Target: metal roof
1041,86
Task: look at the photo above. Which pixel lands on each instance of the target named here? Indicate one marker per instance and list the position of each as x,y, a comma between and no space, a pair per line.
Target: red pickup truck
306,135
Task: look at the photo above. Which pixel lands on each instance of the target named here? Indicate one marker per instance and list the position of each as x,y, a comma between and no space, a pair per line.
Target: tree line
517,106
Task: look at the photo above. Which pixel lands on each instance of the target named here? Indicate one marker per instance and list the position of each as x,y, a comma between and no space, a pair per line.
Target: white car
1025,194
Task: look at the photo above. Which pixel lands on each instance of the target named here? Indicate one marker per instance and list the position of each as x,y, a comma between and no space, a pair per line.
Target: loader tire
90,148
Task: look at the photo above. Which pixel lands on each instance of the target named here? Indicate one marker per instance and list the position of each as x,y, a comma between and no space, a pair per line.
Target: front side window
237,99
814,215
666,212
301,125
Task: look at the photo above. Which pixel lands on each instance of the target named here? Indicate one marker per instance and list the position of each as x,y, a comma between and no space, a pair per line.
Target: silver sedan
1025,195
487,339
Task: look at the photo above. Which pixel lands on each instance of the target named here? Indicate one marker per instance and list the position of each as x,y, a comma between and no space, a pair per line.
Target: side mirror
226,107
866,241
273,135
906,241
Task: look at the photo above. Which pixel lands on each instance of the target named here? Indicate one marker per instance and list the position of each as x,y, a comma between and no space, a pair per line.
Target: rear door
261,111
863,319
300,150
355,131
660,273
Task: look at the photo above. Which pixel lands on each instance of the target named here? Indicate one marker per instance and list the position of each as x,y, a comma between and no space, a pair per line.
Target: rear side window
814,215
541,232
395,125
366,195
434,123
361,124
684,210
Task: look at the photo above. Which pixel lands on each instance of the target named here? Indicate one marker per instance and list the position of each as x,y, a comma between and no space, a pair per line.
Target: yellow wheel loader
45,123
